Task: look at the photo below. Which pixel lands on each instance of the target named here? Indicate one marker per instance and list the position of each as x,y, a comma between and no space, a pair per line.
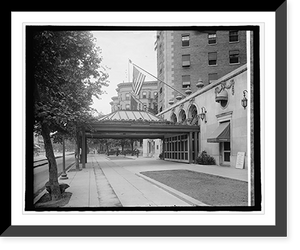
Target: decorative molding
192,100
181,106
224,116
225,85
208,87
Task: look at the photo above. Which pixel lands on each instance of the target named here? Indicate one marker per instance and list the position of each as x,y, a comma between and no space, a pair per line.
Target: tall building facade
147,99
190,59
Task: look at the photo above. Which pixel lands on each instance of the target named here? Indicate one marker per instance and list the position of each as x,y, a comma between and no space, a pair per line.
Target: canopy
130,115
136,124
221,134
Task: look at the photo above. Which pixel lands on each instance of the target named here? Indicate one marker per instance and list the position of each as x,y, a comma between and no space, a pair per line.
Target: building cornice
125,84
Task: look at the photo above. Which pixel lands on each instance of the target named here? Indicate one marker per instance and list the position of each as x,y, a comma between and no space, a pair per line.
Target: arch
182,116
193,114
173,117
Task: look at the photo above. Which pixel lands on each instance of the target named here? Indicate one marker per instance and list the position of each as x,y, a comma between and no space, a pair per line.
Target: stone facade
233,85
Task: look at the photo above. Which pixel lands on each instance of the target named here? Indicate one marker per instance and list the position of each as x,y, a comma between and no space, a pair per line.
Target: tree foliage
67,73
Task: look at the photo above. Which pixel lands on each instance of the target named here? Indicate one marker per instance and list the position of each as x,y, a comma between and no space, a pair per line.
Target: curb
174,192
42,164
40,195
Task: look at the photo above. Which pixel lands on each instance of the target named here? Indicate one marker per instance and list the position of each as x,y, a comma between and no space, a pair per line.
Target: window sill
214,65
234,42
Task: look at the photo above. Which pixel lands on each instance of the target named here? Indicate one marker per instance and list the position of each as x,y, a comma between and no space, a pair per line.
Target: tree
66,72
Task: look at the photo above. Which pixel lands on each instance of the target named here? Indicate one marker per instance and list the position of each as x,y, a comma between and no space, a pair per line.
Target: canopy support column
190,147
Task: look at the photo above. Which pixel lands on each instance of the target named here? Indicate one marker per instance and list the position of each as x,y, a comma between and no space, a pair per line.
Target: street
41,173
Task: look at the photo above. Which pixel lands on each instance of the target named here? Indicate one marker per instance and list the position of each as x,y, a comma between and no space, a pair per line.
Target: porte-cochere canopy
135,124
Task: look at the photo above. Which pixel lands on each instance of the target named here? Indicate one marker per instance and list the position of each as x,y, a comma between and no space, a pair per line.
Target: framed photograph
180,141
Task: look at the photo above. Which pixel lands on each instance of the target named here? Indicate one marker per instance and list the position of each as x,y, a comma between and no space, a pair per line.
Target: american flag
137,81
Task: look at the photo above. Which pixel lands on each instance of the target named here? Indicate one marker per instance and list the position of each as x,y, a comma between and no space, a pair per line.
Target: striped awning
221,134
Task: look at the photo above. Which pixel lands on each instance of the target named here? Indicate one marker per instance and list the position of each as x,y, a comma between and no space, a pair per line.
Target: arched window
182,116
173,118
193,115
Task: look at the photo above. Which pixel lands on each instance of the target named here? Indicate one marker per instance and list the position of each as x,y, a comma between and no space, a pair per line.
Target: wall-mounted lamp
244,101
203,114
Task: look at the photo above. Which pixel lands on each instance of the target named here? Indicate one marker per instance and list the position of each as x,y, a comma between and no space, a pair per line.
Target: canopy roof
130,115
135,124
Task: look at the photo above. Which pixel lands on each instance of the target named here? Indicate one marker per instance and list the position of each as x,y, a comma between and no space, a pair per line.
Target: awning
221,134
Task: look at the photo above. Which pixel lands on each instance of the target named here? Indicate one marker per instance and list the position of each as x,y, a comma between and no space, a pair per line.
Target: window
145,106
186,81
233,36
234,56
186,61
160,90
127,106
127,96
212,58
155,95
212,77
144,95
212,38
226,151
185,40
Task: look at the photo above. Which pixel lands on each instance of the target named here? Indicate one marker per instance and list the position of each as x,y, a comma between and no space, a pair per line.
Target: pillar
83,145
195,145
163,148
190,147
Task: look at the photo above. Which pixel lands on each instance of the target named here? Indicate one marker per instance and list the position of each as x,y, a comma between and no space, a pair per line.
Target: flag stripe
137,81
141,80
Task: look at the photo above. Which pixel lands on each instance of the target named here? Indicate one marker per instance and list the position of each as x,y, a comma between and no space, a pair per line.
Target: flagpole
128,70
157,78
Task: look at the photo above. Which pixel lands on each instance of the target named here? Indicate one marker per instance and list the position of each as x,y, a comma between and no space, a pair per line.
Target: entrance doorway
225,153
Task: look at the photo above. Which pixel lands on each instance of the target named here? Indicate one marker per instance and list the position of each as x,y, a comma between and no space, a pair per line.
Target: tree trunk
53,179
77,151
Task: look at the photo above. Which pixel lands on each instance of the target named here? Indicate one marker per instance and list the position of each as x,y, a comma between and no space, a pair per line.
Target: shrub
161,156
205,159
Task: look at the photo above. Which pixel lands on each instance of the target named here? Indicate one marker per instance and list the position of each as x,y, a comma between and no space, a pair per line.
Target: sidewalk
109,183
103,183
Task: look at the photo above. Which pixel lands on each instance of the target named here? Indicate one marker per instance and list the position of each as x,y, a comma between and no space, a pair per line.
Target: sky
117,47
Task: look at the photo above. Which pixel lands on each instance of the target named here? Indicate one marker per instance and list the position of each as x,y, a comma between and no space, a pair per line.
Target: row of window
233,36
143,95
234,57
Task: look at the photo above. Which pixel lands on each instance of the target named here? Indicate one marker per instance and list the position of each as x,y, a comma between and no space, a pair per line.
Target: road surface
41,172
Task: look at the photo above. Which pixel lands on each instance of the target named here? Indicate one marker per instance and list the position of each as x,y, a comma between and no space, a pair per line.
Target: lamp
244,101
203,114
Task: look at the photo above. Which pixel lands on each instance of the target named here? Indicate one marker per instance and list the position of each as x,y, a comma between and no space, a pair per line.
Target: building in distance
146,100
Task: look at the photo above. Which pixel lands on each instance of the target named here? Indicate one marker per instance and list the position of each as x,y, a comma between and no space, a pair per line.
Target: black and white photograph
143,118
148,124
